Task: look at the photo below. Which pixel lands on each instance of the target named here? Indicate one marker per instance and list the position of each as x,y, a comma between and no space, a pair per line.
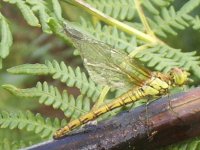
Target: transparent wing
106,65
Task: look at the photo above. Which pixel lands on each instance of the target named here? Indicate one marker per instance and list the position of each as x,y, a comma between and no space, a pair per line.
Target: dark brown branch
170,119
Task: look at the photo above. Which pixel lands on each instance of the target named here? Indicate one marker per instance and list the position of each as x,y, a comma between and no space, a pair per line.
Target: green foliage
50,96
110,35
16,139
30,122
172,20
115,8
6,39
165,18
192,144
163,58
125,9
195,22
160,57
154,5
11,145
62,72
37,13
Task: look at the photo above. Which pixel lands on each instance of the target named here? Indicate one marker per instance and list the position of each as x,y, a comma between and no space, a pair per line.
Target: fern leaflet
30,8
12,145
110,35
172,20
191,144
43,127
163,58
50,95
5,39
64,73
115,8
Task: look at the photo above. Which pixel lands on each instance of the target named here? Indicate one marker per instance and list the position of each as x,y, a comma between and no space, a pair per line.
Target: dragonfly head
179,76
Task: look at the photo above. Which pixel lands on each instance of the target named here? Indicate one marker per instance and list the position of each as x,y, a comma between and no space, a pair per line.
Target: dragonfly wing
106,65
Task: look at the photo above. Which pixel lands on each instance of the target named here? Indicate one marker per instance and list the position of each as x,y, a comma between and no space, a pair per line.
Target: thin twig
143,18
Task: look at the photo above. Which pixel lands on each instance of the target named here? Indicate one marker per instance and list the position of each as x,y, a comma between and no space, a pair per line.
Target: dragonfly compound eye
179,76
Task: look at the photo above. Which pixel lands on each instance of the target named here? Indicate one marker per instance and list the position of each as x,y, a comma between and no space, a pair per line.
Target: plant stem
143,18
111,21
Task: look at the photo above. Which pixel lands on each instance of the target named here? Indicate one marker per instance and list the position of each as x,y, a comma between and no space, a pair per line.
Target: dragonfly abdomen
153,87
129,97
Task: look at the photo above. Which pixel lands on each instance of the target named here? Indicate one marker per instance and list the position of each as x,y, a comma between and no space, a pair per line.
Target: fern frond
50,95
38,12
64,73
26,11
195,23
153,5
18,137
125,9
36,69
7,144
162,58
44,13
115,8
192,144
36,123
74,78
5,39
172,20
110,35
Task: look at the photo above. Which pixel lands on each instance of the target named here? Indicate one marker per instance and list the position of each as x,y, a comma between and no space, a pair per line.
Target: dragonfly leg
147,116
170,105
171,108
90,124
150,133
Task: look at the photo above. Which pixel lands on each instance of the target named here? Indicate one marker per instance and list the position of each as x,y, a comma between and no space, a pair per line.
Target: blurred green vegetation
35,45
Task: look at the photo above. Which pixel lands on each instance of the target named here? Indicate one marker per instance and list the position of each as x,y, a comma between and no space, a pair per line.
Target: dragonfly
112,67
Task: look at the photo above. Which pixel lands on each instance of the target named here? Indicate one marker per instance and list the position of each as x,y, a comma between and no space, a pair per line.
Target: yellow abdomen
154,88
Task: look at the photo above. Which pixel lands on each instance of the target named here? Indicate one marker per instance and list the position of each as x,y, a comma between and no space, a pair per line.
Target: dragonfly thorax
178,76
156,86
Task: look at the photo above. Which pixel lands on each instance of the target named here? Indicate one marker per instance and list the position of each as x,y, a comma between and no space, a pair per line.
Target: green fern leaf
50,95
195,23
110,35
191,144
36,69
42,8
74,78
6,134
44,13
162,58
172,20
64,73
36,123
5,39
153,5
115,8
26,11
7,144
57,9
